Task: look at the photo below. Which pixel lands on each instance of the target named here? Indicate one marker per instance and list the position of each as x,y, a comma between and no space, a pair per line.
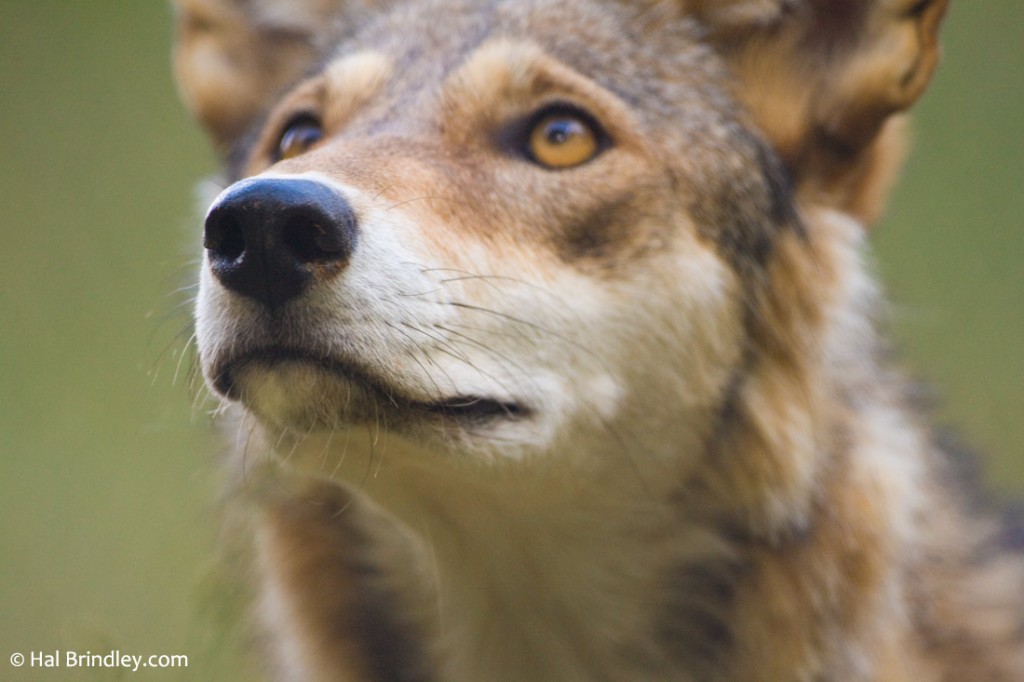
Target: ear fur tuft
824,78
232,57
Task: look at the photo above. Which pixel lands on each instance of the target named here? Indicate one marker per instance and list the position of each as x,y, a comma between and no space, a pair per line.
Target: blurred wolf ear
823,80
232,57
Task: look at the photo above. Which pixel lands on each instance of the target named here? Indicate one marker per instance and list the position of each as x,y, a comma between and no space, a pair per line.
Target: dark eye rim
514,139
300,118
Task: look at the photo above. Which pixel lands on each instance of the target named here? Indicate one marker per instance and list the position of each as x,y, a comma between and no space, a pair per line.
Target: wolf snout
271,239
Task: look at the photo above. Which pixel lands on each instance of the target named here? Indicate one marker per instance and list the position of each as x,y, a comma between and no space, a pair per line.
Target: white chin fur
296,394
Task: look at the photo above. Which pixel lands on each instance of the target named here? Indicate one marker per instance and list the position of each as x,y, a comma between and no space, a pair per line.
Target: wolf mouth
460,407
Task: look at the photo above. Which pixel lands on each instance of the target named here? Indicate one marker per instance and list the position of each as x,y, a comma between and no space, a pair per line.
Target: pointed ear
232,57
823,80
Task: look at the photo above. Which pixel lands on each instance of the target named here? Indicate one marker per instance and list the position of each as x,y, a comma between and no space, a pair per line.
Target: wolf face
463,310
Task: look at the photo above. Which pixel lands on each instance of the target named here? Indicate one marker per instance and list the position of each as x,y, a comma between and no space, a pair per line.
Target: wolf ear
823,79
232,57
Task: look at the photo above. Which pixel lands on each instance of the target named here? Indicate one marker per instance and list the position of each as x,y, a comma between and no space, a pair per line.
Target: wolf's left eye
563,139
299,135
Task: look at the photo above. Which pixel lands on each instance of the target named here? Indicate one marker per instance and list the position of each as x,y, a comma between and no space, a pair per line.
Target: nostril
224,237
312,239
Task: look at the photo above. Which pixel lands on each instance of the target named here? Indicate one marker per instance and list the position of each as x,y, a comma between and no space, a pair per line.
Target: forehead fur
647,54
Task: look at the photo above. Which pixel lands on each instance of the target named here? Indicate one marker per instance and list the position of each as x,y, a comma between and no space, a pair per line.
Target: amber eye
300,134
563,140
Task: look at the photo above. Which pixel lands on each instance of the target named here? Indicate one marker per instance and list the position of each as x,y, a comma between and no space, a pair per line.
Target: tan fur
823,77
628,420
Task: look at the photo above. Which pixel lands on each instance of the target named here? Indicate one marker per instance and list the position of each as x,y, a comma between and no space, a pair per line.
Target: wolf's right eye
299,135
562,142
562,136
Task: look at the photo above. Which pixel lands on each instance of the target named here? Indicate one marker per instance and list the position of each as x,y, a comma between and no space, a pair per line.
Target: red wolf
550,348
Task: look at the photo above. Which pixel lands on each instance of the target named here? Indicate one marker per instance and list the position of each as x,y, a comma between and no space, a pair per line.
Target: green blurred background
106,465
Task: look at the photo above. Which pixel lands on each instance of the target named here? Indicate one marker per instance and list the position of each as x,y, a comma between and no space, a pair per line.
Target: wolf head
517,227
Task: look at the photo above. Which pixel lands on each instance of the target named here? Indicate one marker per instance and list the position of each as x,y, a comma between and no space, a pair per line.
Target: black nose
270,239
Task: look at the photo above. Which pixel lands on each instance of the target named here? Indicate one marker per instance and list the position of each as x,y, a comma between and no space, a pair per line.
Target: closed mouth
476,408
459,407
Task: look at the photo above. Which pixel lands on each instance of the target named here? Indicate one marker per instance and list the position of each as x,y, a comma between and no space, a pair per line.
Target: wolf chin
545,338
